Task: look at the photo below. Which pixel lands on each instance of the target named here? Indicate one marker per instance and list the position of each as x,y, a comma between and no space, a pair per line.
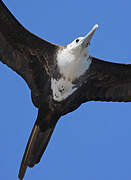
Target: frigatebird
60,78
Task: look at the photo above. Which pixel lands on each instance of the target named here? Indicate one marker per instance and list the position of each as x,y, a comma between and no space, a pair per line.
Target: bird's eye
77,40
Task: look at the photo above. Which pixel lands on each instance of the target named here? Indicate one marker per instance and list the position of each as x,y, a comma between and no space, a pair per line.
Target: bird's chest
70,70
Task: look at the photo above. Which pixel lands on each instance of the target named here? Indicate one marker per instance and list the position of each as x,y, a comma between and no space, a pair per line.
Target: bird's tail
37,142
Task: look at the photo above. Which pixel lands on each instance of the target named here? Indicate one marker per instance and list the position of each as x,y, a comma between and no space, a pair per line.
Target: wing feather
24,52
108,81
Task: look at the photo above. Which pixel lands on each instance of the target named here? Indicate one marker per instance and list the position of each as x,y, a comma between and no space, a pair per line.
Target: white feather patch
73,61
61,89
71,65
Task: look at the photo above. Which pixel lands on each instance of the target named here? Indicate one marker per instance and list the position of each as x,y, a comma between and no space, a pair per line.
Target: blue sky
94,142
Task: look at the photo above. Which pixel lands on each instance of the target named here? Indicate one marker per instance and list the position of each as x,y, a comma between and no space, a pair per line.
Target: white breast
70,66
70,69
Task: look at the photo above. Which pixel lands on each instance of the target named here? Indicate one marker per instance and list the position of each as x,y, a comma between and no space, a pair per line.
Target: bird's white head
80,45
73,59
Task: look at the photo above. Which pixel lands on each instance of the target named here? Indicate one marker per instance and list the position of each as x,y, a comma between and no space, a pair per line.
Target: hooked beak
86,40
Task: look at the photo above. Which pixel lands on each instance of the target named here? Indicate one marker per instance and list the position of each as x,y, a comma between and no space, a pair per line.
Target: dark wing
31,58
39,138
108,82
24,52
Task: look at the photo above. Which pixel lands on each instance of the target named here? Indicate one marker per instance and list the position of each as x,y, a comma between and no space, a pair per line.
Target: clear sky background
94,142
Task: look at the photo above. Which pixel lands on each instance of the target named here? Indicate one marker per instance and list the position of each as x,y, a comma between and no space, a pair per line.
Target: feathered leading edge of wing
108,81
31,57
24,52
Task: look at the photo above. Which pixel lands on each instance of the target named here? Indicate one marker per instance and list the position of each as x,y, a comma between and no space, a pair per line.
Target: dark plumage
34,59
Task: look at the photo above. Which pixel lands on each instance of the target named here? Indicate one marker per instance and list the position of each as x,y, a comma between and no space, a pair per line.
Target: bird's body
71,65
60,78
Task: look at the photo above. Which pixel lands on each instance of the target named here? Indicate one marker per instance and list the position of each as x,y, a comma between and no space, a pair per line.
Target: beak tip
96,26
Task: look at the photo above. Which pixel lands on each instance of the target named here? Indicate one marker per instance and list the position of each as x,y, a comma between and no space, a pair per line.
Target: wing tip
26,160
22,171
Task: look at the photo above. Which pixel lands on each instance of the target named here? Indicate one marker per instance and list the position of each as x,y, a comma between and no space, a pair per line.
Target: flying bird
60,78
